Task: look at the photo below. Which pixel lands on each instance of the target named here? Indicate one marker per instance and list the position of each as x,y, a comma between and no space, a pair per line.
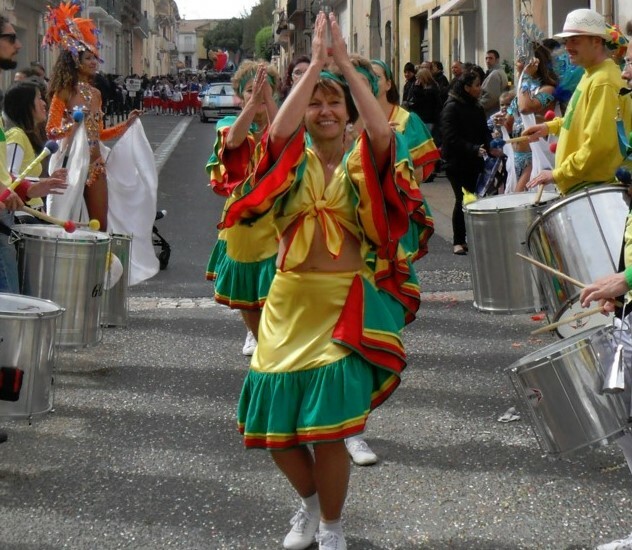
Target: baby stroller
159,242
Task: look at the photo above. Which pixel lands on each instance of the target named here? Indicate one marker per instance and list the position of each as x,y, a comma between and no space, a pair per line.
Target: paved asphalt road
142,452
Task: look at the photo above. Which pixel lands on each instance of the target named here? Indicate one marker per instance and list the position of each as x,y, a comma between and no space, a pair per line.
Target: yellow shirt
588,150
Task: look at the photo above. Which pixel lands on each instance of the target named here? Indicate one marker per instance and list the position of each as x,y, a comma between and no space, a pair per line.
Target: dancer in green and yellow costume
242,263
422,150
329,350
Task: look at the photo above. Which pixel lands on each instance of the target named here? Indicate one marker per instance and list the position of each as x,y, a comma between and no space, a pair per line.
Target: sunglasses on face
10,36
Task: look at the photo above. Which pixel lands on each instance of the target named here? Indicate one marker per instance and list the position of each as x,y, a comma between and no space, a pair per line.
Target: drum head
580,325
509,201
16,305
55,233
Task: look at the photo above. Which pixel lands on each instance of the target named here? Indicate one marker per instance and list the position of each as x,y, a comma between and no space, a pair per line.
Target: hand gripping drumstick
50,148
68,225
552,270
576,317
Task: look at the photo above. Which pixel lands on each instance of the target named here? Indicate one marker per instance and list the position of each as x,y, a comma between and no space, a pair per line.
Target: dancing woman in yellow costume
329,350
421,148
71,88
242,263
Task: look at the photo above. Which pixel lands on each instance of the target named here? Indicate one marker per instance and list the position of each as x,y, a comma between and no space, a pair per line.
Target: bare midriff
319,258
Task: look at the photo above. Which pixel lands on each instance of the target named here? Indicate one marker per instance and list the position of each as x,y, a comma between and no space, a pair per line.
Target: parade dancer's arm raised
261,92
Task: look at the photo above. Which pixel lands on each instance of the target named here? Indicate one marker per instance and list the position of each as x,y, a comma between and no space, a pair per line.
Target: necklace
85,91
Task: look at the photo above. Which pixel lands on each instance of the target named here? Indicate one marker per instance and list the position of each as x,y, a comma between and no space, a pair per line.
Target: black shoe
3,436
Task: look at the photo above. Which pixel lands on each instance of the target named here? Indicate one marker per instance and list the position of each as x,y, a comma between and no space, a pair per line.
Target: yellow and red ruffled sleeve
386,199
229,168
273,177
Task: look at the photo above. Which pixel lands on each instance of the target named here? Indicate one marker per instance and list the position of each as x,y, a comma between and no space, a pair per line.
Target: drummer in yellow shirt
587,151
605,291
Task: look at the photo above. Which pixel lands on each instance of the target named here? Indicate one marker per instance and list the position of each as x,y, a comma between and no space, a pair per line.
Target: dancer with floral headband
329,348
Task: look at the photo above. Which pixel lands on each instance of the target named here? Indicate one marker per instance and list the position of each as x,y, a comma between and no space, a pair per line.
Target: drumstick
518,139
539,194
575,317
69,225
50,148
499,143
552,270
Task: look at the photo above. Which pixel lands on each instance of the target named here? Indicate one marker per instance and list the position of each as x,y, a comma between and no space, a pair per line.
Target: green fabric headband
331,76
370,77
387,70
250,76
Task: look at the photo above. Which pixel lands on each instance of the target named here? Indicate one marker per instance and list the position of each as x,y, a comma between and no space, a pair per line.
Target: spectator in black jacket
425,99
441,79
466,139
409,75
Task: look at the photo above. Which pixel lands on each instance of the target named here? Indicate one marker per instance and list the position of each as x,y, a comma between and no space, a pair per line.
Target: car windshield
220,89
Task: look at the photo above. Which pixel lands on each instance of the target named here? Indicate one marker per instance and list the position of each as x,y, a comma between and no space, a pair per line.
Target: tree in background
227,36
239,35
260,16
264,44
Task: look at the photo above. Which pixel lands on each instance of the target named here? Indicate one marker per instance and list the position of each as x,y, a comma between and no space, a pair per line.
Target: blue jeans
8,259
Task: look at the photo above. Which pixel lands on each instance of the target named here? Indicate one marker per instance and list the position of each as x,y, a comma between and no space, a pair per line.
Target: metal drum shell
28,328
580,235
496,226
115,308
561,387
69,269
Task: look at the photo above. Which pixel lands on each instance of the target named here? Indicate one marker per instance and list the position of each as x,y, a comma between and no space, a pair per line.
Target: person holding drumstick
606,291
587,150
329,351
25,110
9,47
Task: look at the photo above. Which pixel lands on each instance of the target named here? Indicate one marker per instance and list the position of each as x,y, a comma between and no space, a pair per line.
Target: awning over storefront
453,8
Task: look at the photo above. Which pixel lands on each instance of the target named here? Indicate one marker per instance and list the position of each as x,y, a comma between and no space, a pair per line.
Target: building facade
137,36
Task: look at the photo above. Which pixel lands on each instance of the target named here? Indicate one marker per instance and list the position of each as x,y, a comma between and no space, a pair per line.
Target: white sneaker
330,540
250,344
360,452
621,544
303,532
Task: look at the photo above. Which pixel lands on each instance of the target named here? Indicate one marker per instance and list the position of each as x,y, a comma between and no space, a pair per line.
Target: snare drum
579,235
502,282
68,268
27,355
561,387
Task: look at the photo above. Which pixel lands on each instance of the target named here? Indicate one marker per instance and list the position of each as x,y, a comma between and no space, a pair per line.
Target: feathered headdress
73,34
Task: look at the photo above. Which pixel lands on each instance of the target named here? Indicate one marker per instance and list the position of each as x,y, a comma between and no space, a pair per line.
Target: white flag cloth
132,196
542,158
512,181
70,205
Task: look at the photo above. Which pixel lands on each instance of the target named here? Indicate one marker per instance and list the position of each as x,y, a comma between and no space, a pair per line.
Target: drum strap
5,229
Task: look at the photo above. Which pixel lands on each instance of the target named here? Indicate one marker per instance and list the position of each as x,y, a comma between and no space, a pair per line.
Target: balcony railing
295,8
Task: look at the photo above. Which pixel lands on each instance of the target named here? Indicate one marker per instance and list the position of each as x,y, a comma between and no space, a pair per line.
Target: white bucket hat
584,22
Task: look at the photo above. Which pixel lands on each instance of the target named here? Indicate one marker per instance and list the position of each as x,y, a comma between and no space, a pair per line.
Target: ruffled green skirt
239,285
